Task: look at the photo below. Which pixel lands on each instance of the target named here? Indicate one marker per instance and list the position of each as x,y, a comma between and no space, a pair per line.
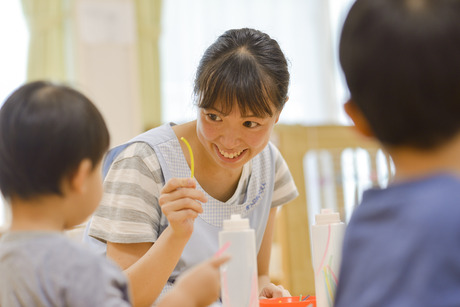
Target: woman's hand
180,203
271,291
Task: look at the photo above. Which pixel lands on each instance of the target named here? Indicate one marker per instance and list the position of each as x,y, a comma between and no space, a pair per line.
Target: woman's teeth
230,155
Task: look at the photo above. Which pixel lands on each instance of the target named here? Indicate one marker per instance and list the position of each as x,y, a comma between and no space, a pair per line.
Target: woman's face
232,140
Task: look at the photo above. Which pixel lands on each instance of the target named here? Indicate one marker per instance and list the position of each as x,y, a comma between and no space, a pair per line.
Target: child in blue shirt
402,65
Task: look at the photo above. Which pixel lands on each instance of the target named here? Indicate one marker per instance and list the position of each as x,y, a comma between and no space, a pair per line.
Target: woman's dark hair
401,59
46,130
246,66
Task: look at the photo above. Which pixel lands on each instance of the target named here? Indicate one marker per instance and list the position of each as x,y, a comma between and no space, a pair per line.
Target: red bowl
292,301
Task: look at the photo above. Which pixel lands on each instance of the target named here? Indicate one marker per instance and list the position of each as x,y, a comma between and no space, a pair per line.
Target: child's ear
358,118
78,180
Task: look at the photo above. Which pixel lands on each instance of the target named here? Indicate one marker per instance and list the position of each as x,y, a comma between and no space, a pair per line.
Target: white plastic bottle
239,276
327,239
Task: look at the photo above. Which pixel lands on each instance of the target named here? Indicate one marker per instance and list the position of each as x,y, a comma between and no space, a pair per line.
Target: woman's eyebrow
255,116
213,109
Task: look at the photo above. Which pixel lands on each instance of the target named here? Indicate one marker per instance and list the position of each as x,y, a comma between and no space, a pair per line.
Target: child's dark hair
46,130
246,66
401,60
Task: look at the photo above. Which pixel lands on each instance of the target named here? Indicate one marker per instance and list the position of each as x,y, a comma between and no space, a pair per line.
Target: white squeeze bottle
239,275
327,239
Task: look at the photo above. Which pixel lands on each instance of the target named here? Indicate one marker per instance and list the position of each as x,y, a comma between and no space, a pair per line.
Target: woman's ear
277,116
358,118
78,179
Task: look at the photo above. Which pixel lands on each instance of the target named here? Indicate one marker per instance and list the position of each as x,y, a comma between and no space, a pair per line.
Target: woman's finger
176,183
180,205
182,193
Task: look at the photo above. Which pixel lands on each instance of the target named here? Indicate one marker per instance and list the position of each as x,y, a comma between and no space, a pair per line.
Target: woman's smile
232,156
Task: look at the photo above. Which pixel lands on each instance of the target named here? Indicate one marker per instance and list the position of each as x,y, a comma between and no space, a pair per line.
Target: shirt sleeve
129,211
285,189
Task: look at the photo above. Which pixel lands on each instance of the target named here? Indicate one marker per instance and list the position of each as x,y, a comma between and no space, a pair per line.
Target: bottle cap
236,223
327,216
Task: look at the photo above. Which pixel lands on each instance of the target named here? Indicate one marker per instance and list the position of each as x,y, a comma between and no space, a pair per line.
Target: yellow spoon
192,163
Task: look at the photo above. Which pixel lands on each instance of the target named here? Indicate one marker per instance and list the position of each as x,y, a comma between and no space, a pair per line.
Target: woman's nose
230,137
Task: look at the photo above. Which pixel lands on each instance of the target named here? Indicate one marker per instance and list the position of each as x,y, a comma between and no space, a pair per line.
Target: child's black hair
46,130
401,60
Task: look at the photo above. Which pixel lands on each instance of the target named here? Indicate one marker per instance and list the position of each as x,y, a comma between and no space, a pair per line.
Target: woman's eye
213,117
250,124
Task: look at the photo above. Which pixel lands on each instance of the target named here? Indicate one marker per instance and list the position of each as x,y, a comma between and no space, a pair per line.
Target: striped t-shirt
129,211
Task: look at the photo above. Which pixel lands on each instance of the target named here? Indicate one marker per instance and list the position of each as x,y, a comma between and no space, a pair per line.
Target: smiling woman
12,62
154,220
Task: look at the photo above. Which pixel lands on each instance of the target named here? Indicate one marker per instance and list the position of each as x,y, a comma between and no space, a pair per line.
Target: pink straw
222,249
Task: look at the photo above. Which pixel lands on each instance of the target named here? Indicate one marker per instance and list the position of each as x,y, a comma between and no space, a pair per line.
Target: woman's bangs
225,87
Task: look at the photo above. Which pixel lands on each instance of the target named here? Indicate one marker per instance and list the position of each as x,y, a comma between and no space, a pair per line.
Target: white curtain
307,31
14,39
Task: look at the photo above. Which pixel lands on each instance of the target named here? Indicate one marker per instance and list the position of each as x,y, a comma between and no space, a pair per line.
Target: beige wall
105,65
